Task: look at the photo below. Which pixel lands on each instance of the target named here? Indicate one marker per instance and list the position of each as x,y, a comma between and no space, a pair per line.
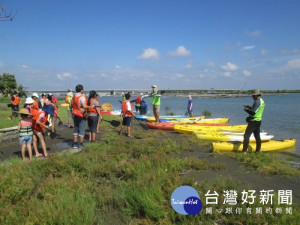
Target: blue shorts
190,111
25,139
93,122
126,121
79,126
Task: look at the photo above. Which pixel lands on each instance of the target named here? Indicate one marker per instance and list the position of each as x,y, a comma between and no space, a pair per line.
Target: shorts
126,121
25,139
138,108
70,115
92,123
190,111
79,126
156,108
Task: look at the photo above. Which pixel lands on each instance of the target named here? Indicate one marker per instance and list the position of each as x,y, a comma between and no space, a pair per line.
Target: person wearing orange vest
79,107
127,113
15,101
94,114
38,125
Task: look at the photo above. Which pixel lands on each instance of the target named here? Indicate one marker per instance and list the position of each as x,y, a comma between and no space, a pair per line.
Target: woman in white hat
28,104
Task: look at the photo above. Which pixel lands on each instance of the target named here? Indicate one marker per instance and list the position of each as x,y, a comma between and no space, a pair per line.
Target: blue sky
191,44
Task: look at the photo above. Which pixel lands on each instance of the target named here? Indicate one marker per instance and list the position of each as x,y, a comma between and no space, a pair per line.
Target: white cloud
249,47
263,51
179,75
247,73
65,76
118,67
290,51
211,64
181,51
230,67
149,54
24,66
293,64
227,74
255,33
188,65
201,75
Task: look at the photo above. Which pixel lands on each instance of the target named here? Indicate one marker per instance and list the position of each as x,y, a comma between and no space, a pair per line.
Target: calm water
281,117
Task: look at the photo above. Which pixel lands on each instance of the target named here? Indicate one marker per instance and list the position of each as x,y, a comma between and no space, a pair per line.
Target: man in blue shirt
190,106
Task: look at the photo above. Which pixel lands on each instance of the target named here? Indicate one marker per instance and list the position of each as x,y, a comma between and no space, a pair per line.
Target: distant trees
4,15
8,85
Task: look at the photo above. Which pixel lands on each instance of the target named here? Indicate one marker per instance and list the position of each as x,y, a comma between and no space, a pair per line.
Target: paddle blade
115,123
107,107
64,104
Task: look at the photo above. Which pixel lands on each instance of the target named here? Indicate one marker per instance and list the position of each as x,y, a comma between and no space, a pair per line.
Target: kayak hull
271,145
189,129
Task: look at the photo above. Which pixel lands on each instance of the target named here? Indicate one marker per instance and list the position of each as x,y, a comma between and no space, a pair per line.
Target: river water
281,117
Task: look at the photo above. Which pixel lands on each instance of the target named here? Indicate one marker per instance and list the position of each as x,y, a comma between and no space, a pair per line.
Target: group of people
36,114
35,117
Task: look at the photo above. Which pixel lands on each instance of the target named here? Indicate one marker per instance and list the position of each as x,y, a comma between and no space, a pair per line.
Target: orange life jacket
55,110
66,99
37,127
126,112
93,110
34,109
16,100
77,109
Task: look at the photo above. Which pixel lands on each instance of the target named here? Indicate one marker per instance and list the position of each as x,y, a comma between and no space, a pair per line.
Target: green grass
265,163
119,180
124,181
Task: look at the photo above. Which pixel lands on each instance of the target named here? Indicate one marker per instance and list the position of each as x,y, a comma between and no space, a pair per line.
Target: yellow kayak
230,136
175,118
213,120
189,129
271,145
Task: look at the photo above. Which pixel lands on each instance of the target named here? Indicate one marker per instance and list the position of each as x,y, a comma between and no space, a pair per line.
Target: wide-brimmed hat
256,92
154,86
29,101
24,111
35,95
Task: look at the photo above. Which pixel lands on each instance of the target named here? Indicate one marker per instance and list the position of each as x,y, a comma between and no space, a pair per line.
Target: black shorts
126,121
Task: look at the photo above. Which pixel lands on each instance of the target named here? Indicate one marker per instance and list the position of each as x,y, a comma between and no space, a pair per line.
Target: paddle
114,123
64,104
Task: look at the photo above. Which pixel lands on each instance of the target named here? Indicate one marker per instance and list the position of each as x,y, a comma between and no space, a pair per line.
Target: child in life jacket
38,125
127,113
25,134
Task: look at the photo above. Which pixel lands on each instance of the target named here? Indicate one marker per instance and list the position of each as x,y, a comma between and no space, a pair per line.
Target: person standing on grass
100,116
190,106
155,102
15,101
254,121
38,125
68,100
94,114
25,134
138,102
127,113
79,107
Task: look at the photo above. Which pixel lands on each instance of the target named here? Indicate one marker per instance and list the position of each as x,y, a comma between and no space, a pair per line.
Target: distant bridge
112,92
